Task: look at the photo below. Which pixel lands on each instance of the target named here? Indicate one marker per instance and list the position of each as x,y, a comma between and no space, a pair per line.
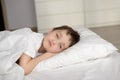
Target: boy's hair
75,37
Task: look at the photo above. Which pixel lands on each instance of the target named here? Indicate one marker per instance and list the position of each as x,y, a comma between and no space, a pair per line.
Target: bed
101,67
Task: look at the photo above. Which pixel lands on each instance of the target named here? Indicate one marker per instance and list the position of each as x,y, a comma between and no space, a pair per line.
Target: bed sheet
107,68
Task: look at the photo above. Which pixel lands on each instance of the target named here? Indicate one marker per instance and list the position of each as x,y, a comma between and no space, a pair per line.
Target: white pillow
91,46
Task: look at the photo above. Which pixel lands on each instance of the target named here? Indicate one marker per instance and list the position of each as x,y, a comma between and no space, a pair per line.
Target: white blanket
12,45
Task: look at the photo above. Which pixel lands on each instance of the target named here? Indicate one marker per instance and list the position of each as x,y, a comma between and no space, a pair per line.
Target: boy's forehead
64,33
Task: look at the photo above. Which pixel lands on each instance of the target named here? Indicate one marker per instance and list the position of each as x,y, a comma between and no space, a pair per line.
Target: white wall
88,13
52,13
20,13
102,12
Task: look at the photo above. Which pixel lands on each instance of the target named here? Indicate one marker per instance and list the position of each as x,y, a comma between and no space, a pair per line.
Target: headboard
53,13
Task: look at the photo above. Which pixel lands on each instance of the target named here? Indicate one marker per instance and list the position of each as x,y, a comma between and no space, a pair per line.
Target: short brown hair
75,37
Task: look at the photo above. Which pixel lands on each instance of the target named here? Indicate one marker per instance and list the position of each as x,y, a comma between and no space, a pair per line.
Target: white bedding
12,45
102,69
107,68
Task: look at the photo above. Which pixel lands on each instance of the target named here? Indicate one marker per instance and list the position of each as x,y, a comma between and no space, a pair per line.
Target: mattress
107,68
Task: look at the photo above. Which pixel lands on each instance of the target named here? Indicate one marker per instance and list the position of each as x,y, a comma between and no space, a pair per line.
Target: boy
55,41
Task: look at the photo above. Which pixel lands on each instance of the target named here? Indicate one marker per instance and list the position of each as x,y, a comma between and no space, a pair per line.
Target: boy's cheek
56,50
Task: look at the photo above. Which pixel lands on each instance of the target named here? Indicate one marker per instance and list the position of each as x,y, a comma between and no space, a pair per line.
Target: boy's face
56,41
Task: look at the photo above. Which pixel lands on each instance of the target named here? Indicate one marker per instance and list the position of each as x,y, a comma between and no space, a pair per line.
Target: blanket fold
12,45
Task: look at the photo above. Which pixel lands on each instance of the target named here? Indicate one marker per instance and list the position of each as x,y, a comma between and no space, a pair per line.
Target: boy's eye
57,36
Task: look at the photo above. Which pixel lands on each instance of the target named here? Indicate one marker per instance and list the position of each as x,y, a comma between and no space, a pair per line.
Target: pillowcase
91,46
